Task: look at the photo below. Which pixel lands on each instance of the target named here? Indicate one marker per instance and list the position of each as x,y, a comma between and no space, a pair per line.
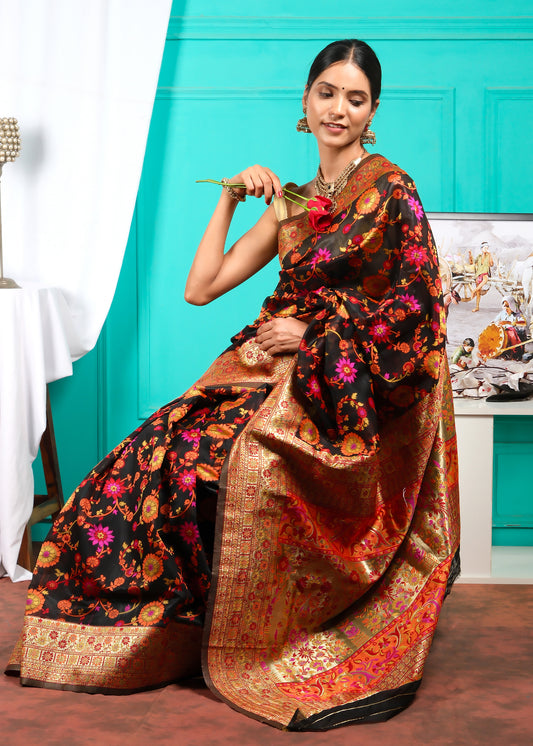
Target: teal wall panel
456,111
513,489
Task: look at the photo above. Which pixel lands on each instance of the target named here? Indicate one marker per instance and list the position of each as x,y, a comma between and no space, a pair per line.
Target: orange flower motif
226,406
152,567
376,285
177,413
220,432
432,364
157,458
150,508
151,613
48,555
207,472
34,601
352,445
373,241
309,432
368,201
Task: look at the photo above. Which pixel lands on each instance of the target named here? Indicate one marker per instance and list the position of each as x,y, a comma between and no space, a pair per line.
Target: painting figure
514,324
482,268
463,356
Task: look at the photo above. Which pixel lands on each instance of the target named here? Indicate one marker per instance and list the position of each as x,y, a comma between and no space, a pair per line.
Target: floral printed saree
290,521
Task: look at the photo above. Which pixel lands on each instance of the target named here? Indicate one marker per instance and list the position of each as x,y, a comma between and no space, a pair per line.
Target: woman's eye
324,94
356,103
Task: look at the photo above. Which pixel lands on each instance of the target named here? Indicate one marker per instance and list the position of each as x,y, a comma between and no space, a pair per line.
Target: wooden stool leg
48,505
25,558
52,476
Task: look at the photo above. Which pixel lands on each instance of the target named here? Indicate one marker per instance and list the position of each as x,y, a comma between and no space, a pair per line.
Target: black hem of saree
374,709
455,571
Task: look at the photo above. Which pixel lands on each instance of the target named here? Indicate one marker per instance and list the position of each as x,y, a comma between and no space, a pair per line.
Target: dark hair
349,50
469,342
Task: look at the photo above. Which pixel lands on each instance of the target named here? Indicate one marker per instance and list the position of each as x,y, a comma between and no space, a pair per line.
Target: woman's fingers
260,181
281,335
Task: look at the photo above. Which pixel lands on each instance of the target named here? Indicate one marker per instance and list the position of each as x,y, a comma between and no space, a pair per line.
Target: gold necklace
332,188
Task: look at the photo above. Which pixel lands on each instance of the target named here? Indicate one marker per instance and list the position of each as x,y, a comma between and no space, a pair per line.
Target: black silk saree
292,521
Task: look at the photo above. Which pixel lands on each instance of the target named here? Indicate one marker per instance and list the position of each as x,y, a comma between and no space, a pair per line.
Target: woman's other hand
260,181
281,335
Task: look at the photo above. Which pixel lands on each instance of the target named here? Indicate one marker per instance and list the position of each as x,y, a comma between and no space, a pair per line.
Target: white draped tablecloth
36,343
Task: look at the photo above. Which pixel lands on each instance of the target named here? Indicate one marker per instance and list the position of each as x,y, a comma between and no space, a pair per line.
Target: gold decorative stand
9,150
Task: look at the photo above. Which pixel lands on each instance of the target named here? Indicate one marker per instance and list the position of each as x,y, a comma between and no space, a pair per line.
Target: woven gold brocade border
230,368
63,655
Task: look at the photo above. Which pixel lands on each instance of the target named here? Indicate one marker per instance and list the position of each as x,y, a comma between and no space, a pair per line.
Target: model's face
339,105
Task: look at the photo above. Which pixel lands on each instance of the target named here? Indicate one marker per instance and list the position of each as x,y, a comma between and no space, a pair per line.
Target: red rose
319,221
319,212
319,202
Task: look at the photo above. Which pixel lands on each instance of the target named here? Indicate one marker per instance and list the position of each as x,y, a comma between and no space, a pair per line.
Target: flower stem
304,207
213,181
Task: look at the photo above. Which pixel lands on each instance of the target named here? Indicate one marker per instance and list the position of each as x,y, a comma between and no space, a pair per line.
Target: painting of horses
486,267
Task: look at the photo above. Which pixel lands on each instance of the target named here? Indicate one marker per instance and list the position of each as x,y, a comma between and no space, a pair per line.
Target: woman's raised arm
213,271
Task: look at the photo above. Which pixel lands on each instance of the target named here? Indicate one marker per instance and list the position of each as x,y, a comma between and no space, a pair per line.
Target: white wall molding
498,134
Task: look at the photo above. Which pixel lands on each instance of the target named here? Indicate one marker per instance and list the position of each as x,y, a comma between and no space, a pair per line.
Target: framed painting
486,266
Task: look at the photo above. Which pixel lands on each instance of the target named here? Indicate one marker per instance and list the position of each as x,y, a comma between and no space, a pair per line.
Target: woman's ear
374,108
304,98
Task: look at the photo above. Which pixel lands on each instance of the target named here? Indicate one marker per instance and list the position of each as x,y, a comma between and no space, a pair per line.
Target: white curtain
80,76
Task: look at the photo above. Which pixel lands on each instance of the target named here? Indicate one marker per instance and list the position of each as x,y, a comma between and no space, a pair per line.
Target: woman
514,324
322,439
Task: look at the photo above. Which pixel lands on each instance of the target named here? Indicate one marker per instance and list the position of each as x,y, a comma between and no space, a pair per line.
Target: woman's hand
281,335
260,181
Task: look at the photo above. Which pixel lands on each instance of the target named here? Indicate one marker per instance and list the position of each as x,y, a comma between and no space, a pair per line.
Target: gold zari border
62,655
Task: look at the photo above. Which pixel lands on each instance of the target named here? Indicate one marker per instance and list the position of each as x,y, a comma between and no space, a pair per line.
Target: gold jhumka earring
368,137
302,125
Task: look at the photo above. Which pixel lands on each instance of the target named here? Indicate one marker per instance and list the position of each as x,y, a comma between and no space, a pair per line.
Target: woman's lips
333,127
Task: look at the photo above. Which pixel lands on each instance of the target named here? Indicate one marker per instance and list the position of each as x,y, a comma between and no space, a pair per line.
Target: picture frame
486,267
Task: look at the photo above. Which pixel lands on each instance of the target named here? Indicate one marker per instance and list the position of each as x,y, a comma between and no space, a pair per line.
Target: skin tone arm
214,272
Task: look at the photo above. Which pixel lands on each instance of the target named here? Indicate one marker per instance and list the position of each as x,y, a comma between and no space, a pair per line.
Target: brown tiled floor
477,689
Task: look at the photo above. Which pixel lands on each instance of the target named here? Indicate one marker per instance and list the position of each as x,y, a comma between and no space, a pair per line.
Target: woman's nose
338,105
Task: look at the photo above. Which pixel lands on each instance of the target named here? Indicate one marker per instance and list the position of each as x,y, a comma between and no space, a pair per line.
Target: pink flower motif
346,369
323,255
380,331
415,206
187,480
191,436
100,536
114,488
313,387
411,302
189,533
416,255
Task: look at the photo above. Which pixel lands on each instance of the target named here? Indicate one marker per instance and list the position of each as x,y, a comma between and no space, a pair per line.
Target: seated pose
290,524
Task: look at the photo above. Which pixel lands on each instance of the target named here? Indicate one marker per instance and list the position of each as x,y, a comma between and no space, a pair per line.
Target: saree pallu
337,517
